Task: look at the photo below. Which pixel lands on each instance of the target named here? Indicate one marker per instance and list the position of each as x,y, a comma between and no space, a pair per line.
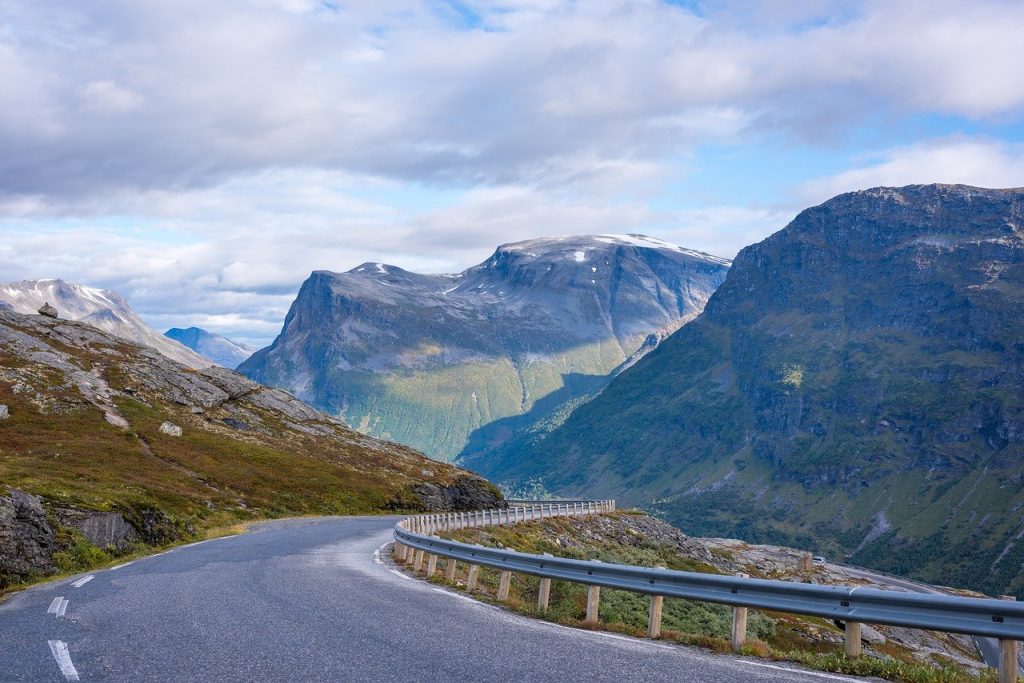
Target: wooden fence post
449,570
503,583
739,625
593,603
543,593
654,614
431,564
854,648
474,571
1008,666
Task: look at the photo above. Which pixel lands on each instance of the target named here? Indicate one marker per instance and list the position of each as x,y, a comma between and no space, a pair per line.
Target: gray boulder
467,493
4,412
170,429
102,529
48,310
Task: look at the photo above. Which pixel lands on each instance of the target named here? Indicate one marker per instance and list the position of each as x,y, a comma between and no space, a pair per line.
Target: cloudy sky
203,157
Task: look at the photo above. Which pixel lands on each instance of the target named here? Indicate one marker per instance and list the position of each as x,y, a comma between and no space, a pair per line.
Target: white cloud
191,93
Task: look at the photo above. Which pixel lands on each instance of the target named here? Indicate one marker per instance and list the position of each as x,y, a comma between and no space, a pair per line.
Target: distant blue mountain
220,350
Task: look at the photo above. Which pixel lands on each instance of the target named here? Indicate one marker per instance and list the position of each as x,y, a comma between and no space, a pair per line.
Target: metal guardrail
853,605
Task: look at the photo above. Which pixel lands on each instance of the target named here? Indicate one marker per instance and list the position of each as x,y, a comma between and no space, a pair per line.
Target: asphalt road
306,600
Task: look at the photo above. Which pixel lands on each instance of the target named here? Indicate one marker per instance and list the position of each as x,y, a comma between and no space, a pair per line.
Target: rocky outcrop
863,363
48,310
426,360
27,542
107,530
468,493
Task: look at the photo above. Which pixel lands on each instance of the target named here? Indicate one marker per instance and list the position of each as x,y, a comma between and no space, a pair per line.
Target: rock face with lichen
856,385
26,540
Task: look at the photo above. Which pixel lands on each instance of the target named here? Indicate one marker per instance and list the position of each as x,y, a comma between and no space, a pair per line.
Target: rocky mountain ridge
428,359
101,308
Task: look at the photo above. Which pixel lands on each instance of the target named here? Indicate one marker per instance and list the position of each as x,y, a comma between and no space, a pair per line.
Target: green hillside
856,387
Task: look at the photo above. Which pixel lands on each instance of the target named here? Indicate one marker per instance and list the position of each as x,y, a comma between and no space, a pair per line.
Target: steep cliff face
857,383
106,445
427,359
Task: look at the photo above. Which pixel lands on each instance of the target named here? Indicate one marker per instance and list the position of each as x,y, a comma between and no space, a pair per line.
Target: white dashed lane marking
81,582
60,652
55,605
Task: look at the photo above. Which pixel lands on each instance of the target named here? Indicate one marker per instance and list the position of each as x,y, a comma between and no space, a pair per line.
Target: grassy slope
437,409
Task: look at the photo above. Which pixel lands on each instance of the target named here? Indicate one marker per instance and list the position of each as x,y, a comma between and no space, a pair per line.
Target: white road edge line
816,674
81,582
121,565
60,652
55,605
376,558
63,608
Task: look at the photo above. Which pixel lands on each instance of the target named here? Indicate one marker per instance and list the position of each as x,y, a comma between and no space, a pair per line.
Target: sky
202,158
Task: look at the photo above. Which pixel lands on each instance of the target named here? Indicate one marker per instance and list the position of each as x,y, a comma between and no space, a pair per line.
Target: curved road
306,600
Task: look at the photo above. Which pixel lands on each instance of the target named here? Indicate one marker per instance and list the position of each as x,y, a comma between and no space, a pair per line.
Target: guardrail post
449,570
400,550
503,583
474,572
1007,655
654,614
543,593
417,562
431,564
593,602
739,624
854,648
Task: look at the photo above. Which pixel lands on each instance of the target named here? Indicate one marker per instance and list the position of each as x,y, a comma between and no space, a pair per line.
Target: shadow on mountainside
492,447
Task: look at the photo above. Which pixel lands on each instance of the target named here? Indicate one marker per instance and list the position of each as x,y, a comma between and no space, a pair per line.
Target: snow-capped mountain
220,350
100,308
429,360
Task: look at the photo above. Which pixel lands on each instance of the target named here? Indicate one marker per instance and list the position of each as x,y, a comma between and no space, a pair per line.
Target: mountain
427,359
220,350
107,446
856,386
101,308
